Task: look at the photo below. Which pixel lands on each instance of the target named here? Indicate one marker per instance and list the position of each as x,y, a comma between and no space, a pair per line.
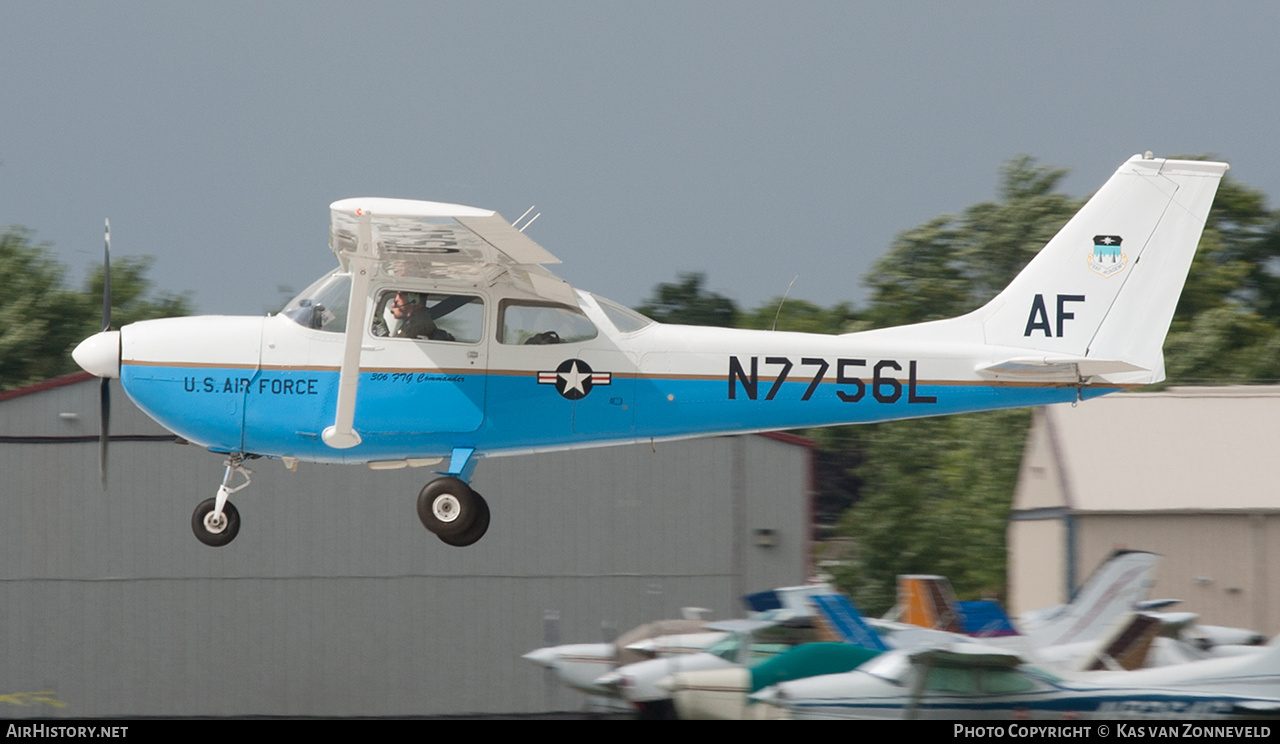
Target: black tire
231,519
477,529
658,710
447,507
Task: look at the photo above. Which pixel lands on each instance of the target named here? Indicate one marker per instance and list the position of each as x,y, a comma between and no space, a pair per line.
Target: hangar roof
1185,448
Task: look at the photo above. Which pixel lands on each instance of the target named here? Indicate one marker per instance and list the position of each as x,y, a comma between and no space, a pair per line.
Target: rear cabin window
541,323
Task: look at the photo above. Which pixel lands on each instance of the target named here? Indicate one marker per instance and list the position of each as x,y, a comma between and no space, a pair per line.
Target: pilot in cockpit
406,316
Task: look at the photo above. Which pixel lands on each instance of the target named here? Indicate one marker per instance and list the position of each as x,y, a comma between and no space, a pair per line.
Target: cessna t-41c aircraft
440,339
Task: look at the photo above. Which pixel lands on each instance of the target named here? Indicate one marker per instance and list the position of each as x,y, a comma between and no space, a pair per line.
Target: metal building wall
1221,565
334,600
1192,482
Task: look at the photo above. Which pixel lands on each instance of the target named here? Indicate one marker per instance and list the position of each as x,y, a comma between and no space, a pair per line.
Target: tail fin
844,622
1098,299
928,601
1111,591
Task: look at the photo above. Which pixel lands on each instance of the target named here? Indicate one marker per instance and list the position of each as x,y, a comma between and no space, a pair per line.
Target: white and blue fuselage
268,386
441,336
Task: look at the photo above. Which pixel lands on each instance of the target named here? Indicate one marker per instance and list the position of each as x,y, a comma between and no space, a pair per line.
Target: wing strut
361,264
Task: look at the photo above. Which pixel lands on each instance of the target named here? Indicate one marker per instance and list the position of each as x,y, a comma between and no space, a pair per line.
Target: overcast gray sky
753,141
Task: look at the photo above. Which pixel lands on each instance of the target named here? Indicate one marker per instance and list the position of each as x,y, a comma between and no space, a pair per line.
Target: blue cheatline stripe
427,414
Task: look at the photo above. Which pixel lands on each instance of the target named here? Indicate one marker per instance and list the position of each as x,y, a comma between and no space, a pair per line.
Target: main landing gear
456,514
447,507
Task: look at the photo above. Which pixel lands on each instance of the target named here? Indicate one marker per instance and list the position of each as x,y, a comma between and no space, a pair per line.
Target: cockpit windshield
624,319
323,305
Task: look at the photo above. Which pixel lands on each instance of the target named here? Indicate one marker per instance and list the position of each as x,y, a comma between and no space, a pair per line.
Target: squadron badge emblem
1106,259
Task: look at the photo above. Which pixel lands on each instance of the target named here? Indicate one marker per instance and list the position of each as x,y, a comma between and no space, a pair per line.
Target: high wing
967,655
374,236
444,241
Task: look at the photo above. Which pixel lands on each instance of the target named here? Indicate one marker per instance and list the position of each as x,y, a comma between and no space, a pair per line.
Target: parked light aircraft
1098,630
1107,625
927,616
972,681
722,693
580,665
441,339
747,643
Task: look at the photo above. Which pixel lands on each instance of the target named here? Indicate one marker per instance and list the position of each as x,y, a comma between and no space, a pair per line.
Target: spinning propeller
104,384
99,355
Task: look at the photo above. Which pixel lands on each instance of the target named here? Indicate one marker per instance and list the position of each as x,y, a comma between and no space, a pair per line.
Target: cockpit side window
536,323
323,305
428,316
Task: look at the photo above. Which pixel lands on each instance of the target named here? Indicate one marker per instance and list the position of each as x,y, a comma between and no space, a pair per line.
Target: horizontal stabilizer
1070,369
1126,645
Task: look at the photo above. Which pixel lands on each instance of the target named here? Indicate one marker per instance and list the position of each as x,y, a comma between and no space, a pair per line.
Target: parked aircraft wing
967,655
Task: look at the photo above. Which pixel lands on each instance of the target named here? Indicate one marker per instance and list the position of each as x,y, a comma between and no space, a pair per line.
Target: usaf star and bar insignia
574,379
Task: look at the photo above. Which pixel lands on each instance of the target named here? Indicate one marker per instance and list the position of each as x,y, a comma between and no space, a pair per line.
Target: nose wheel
453,512
216,521
212,528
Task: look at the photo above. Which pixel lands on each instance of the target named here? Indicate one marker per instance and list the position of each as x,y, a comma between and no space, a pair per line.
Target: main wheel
215,532
447,507
477,529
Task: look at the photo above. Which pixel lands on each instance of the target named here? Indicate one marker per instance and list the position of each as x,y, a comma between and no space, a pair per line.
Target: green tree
688,301
935,493
953,264
41,319
1227,324
802,316
935,499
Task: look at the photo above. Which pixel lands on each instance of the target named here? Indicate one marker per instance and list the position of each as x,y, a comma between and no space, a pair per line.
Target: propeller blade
104,434
104,387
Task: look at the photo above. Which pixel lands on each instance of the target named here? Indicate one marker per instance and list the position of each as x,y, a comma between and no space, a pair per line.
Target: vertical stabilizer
1101,294
1113,590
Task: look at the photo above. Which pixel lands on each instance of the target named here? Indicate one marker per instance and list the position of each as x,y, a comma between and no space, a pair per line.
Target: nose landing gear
216,521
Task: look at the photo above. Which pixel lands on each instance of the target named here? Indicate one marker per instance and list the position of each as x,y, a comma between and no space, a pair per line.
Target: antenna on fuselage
516,224
784,299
